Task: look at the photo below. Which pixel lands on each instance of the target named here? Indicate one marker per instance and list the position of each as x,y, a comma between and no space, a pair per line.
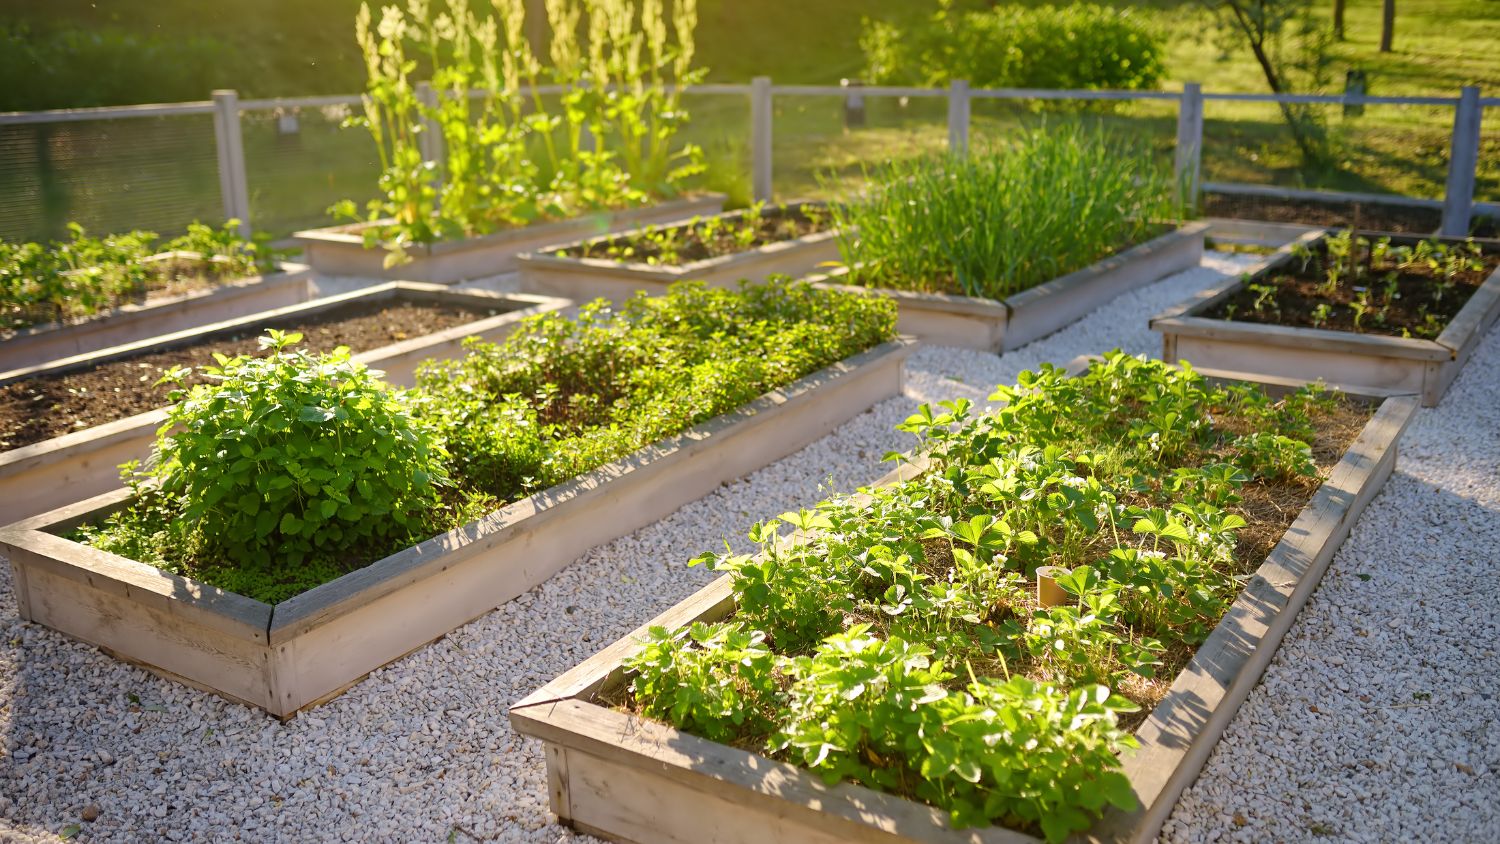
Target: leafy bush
559,397
1005,219
271,477
895,639
85,275
1060,47
511,157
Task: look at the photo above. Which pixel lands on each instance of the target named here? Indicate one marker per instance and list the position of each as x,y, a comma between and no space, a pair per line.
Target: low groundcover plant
895,638
288,470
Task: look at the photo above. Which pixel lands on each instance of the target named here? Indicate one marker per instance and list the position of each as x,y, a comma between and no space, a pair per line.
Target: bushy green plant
1127,477
560,396
1012,46
510,156
282,467
1005,219
84,276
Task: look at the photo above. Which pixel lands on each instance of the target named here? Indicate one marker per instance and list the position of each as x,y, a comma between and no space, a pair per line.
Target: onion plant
1006,218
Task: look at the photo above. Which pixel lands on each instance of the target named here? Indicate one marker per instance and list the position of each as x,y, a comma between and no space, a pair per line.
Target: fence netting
111,175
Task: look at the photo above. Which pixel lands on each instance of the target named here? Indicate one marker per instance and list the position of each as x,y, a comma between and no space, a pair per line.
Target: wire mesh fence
109,175
299,161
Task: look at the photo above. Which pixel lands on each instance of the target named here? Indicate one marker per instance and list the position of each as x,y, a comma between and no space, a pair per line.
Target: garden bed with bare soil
1392,314
36,409
1371,216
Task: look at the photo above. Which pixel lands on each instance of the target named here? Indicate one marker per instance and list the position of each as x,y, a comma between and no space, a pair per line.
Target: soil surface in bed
38,409
1411,301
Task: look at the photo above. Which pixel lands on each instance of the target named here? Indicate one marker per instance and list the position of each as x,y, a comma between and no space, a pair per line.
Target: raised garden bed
791,240
156,316
303,650
989,325
70,423
1282,321
341,250
621,776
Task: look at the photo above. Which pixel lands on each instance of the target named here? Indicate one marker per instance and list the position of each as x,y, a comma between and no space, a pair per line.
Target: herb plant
1006,219
559,397
266,479
894,638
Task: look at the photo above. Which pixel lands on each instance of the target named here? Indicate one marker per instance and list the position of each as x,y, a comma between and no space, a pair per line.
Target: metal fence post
1463,158
958,117
233,186
1189,161
760,138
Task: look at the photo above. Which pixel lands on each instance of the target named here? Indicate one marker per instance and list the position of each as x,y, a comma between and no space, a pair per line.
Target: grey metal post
760,138
233,186
1463,158
958,117
1189,161
430,141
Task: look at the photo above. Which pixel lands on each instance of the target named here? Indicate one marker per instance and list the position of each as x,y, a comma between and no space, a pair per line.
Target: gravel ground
422,750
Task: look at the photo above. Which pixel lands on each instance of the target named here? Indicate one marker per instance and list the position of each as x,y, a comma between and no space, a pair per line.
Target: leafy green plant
277,470
509,157
1004,219
561,396
85,276
896,639
701,238
1013,46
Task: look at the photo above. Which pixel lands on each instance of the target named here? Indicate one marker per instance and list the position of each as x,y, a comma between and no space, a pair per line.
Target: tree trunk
1388,26
1338,19
1293,119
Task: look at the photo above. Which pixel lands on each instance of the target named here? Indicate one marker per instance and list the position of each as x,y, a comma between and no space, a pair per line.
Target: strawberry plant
898,640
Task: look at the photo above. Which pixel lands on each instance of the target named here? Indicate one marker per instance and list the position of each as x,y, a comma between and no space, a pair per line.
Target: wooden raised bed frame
46,475
340,250
584,279
1368,363
310,648
130,323
997,326
626,778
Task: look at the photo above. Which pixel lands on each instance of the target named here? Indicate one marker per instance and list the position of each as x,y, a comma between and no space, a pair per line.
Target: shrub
279,470
1075,46
1004,219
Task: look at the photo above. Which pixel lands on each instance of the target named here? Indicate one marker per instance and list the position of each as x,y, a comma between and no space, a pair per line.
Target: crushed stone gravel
422,749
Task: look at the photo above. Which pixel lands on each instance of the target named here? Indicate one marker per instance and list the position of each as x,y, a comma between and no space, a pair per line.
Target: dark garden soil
1418,305
41,408
1386,218
699,241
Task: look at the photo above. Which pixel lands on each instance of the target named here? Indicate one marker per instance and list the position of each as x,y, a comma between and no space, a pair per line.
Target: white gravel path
422,751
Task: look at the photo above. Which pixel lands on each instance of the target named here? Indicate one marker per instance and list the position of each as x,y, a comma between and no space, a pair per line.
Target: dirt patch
711,237
41,408
1399,298
1375,217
